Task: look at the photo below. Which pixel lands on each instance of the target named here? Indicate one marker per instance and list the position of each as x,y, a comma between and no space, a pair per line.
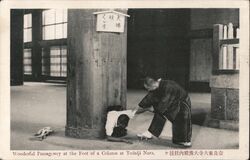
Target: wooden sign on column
110,21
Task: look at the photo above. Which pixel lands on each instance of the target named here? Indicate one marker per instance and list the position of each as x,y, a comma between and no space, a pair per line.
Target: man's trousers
181,125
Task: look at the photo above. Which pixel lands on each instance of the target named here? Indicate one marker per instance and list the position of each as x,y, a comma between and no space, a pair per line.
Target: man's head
150,84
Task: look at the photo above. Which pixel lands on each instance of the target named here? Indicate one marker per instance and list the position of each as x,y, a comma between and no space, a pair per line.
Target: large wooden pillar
96,74
16,48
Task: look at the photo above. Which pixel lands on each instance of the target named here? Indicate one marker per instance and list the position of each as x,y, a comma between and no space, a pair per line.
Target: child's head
120,130
123,120
123,117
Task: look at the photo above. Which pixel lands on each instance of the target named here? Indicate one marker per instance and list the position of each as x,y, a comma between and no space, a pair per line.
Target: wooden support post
217,54
96,74
16,49
36,49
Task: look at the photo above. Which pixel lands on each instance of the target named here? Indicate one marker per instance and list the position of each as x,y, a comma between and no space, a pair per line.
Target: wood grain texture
96,73
225,81
225,104
16,46
216,52
232,110
36,48
200,60
218,103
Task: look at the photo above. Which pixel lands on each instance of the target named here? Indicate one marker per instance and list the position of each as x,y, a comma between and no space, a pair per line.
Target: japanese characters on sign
110,21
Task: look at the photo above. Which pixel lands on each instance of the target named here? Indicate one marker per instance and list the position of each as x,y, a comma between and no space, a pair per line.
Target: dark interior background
175,44
158,45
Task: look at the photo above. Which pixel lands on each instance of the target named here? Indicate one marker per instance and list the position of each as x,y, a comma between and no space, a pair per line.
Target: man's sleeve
147,101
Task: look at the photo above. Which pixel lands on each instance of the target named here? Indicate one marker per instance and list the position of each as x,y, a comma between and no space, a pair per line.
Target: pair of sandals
43,133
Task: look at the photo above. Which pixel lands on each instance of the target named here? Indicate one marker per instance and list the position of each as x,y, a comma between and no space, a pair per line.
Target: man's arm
147,101
116,139
141,110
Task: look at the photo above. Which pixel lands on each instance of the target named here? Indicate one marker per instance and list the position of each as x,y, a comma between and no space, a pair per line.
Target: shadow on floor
163,142
58,85
200,111
199,118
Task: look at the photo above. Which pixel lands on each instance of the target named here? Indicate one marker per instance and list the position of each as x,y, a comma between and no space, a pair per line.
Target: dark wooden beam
55,42
229,41
36,49
16,46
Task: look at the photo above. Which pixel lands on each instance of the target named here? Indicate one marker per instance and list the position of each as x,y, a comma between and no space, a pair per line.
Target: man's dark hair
122,123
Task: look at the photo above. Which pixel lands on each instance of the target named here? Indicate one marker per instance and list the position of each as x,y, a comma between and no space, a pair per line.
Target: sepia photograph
126,81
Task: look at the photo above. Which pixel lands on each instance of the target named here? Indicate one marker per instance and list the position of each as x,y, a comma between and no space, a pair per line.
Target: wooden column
16,46
36,48
96,74
216,55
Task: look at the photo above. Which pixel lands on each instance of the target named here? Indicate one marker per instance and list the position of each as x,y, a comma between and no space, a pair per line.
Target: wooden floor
36,105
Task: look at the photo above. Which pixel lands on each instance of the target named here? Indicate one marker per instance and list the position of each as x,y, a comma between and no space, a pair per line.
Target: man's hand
151,109
141,110
134,112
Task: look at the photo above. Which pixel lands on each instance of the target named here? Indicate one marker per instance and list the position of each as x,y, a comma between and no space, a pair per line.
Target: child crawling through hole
117,122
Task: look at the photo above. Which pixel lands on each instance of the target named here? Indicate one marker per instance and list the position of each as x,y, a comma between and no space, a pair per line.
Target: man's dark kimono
170,101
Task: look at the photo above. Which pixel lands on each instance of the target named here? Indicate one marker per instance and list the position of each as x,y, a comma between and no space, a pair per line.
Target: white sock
147,133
